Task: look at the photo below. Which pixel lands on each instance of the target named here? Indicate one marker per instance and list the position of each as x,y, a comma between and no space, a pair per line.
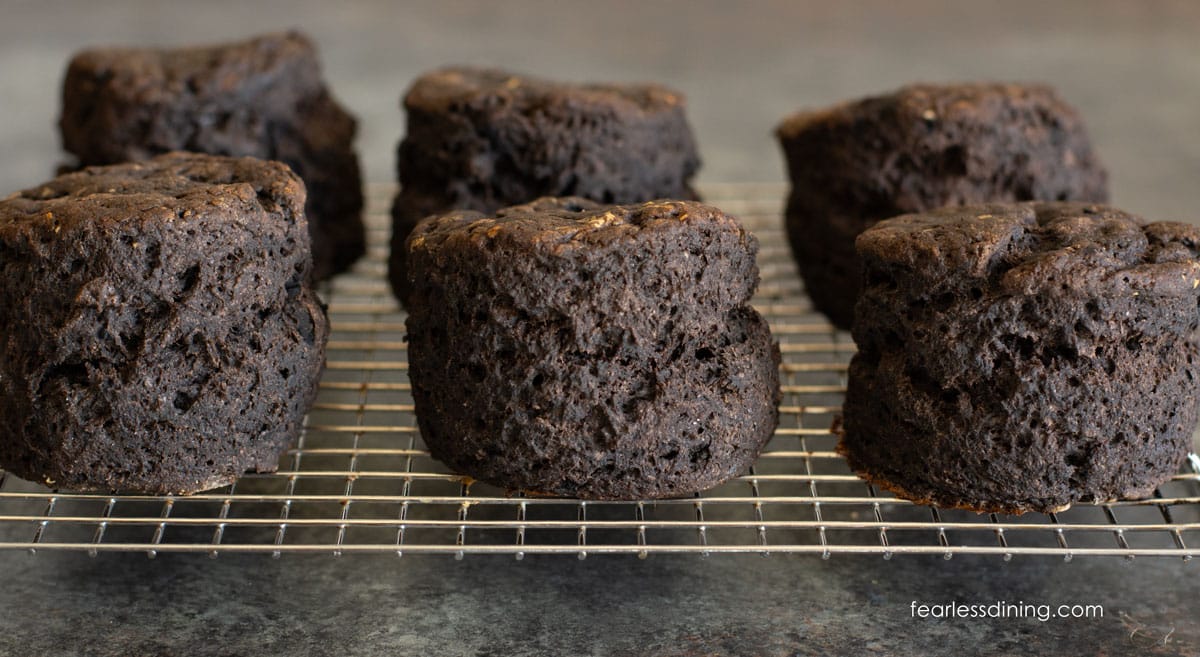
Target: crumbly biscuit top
1031,248
448,88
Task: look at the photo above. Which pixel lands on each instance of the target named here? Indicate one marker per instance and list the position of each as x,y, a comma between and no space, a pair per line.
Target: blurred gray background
1133,69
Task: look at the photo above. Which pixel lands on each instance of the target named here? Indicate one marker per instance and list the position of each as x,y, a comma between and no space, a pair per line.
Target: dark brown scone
481,139
261,98
602,352
1023,357
159,335
916,149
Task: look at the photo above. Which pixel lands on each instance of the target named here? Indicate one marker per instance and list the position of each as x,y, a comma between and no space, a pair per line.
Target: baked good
480,139
603,352
1023,357
916,149
262,98
159,333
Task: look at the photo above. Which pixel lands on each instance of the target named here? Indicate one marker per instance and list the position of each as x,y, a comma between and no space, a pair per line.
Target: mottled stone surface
319,605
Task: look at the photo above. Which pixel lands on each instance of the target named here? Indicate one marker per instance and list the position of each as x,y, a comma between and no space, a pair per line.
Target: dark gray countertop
190,606
1134,71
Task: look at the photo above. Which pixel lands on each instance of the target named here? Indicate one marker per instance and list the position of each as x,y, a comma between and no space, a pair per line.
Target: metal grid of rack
360,479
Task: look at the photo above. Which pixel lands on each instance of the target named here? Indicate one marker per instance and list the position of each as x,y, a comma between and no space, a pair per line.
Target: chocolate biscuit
602,352
916,149
481,139
158,331
262,98
1023,357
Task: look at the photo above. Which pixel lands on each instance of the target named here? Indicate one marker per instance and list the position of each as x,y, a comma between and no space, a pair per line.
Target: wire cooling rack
360,479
